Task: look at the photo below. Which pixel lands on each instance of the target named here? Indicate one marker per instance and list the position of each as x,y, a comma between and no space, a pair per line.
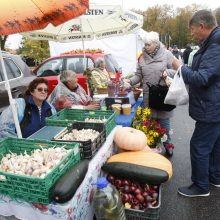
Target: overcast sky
144,4
14,40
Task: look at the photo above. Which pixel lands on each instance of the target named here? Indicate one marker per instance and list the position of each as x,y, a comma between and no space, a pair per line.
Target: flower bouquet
144,121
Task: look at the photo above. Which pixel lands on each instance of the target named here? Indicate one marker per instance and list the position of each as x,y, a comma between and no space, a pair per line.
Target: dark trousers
205,154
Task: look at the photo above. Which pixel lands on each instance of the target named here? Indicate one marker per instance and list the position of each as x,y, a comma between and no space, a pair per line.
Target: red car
52,67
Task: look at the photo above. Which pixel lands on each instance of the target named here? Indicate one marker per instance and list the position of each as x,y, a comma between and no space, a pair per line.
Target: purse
157,94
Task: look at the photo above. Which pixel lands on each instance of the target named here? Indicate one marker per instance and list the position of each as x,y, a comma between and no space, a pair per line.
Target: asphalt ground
173,205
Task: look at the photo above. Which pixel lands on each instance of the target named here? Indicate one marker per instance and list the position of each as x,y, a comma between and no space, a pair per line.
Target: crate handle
3,178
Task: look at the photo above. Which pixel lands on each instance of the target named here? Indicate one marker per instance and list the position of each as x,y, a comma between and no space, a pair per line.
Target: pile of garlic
80,135
38,164
96,120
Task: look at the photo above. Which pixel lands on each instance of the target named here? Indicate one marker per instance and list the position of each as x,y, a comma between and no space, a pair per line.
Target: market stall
77,208
107,157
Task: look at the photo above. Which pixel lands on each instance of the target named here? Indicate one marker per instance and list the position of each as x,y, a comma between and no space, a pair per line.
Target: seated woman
32,111
69,94
99,76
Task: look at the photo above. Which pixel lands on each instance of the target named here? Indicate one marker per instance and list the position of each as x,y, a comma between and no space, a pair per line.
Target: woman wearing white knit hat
155,62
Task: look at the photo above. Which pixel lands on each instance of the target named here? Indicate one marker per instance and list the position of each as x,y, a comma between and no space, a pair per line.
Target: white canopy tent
123,48
100,25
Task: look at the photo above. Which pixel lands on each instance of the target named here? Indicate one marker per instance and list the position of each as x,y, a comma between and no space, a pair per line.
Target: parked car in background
19,75
74,60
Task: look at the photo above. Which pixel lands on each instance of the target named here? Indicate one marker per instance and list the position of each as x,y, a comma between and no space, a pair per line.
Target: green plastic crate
28,188
66,116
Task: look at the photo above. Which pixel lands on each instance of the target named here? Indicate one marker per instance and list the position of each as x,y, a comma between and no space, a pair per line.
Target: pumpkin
128,138
143,158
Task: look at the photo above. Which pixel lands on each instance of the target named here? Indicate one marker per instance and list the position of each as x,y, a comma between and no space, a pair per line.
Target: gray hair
150,37
99,63
67,75
205,17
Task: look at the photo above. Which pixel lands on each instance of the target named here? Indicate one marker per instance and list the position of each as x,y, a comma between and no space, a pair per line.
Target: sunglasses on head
42,89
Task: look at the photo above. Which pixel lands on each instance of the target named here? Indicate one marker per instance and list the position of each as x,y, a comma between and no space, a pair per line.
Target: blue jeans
165,123
205,154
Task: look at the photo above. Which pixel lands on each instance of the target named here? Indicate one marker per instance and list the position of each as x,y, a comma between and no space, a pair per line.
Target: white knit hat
149,37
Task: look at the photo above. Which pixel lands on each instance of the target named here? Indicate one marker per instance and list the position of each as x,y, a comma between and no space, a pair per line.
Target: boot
169,149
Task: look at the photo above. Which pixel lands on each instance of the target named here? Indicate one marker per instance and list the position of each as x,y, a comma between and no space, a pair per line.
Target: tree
170,23
3,40
36,49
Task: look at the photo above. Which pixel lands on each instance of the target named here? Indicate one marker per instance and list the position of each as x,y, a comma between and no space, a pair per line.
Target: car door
75,63
17,80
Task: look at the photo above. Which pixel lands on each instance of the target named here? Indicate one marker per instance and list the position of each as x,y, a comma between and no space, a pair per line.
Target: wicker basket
137,93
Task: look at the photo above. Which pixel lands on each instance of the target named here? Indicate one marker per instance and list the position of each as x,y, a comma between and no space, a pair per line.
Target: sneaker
192,191
214,184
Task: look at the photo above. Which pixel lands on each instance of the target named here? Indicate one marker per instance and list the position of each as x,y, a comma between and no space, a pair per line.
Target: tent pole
11,100
84,55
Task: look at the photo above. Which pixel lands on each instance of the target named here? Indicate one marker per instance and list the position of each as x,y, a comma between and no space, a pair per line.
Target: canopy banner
99,21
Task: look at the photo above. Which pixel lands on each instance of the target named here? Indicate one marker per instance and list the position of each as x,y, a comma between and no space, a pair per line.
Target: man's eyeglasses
42,89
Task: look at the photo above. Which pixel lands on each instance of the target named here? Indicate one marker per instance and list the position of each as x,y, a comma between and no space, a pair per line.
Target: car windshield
11,68
51,68
111,64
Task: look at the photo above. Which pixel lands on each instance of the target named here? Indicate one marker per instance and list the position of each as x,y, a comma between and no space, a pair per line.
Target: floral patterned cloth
78,208
99,78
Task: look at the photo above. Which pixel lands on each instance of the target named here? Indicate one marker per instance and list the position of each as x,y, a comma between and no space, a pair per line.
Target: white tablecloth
78,208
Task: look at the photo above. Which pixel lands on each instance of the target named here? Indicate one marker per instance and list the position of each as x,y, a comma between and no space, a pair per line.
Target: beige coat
150,70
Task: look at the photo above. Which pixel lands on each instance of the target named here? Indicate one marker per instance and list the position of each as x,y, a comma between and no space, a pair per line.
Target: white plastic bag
177,93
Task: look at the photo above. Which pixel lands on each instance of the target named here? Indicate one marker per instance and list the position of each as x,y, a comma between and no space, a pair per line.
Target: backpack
27,114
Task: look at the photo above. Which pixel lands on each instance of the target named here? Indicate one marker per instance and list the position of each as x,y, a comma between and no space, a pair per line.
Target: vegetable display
135,195
139,173
96,120
128,138
143,166
39,163
80,135
66,186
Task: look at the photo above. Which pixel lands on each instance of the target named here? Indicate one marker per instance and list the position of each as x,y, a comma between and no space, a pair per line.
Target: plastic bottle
106,202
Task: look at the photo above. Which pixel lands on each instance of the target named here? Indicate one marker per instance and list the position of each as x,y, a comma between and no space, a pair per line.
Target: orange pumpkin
131,139
147,159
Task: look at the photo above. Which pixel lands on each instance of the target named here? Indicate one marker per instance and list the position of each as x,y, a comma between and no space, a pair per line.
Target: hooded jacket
204,80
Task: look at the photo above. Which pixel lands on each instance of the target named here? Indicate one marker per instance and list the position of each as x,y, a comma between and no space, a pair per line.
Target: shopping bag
177,93
157,94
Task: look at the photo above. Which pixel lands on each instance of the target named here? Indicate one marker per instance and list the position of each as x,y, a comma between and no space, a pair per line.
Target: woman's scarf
152,54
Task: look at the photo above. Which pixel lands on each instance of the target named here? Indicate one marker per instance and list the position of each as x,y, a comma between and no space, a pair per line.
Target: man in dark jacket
186,53
204,104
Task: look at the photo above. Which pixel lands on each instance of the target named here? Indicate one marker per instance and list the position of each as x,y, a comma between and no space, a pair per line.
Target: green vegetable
66,186
136,172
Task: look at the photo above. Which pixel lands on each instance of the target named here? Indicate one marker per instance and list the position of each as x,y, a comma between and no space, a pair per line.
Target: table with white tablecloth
78,208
